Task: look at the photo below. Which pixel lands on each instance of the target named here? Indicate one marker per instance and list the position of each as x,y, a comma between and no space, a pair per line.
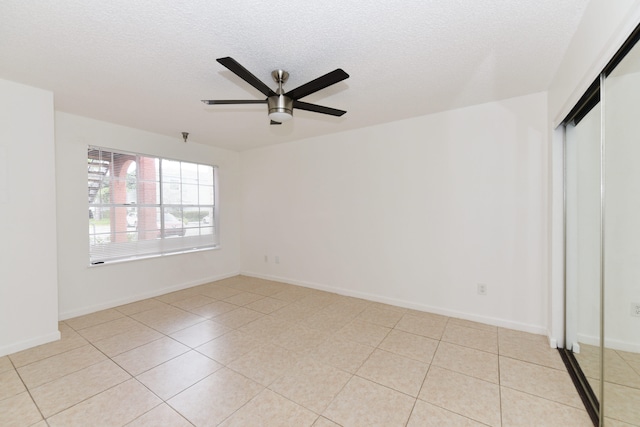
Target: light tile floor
250,352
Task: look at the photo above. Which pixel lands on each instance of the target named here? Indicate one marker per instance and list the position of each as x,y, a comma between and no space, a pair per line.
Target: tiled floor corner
250,352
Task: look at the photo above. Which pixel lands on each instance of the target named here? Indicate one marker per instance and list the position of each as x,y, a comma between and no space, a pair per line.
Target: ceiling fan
281,103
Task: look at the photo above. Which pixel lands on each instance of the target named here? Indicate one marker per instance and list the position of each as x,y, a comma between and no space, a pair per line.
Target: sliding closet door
621,99
583,246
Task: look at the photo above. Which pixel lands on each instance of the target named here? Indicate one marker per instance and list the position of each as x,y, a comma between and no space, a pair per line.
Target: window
142,206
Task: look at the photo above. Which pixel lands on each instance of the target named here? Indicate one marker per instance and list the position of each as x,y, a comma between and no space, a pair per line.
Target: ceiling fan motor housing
280,104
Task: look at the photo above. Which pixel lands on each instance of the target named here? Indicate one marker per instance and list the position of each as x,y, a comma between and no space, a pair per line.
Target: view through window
142,206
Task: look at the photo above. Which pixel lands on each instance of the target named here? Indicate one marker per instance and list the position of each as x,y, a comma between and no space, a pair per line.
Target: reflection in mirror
622,243
583,248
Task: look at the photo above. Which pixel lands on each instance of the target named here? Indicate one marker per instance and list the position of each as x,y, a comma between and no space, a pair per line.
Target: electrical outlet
482,289
635,309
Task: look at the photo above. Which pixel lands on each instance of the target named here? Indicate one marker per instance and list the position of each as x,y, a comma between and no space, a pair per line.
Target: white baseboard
613,344
575,348
588,339
133,298
503,323
23,345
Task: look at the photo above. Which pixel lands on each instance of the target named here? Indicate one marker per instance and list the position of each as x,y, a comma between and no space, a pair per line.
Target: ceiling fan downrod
280,105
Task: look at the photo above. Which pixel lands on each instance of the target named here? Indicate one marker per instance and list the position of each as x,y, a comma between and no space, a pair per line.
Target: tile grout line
27,390
499,379
102,391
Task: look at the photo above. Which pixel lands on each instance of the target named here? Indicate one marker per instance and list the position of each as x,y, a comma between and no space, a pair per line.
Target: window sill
140,258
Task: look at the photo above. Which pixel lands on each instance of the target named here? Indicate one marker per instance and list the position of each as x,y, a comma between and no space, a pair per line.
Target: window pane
171,192
205,193
118,191
189,173
170,170
119,220
148,193
172,223
205,175
206,216
99,215
189,194
148,190
148,222
100,192
191,217
98,169
148,168
100,225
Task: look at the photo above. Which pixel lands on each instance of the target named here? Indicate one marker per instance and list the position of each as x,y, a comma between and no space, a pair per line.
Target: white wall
85,289
28,276
414,213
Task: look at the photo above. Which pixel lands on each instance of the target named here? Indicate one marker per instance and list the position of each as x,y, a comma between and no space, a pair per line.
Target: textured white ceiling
148,63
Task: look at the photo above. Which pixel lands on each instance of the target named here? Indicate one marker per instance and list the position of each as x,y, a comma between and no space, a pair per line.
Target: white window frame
192,238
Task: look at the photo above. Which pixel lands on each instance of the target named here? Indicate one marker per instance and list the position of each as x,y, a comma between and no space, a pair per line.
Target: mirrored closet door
621,284
602,242
583,247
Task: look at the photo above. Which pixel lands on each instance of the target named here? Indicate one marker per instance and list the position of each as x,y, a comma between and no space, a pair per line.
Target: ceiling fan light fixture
280,116
280,108
281,103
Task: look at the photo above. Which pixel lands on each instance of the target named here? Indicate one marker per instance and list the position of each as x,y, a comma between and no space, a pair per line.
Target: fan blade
320,83
231,101
275,123
245,75
317,108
